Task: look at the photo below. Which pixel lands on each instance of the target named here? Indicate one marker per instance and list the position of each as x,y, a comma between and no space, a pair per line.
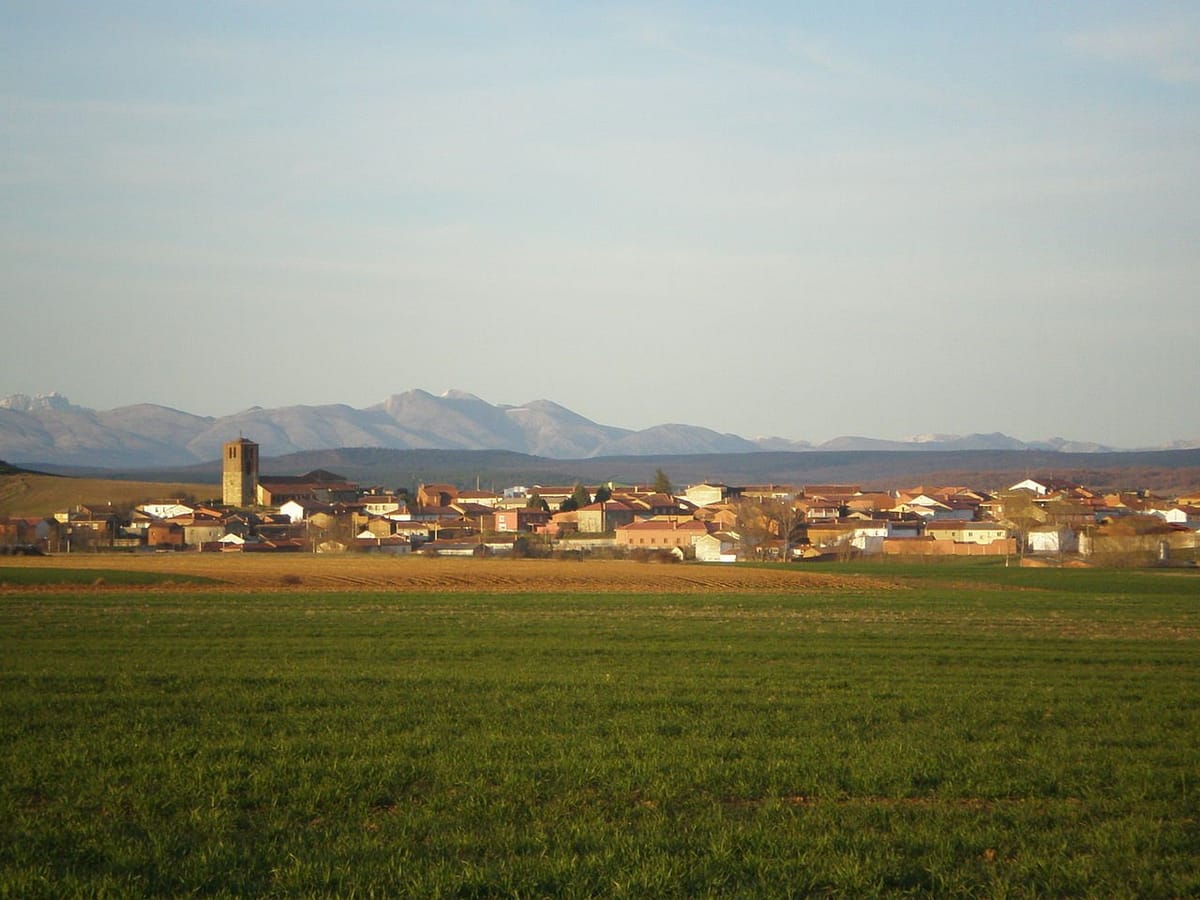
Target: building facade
239,472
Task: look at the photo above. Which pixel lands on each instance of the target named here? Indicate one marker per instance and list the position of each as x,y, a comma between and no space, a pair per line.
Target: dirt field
355,572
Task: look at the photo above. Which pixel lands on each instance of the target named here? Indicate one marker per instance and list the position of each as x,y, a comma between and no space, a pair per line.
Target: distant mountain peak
47,428
933,438
25,403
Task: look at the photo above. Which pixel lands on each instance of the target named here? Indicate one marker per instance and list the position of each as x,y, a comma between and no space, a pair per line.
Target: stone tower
239,472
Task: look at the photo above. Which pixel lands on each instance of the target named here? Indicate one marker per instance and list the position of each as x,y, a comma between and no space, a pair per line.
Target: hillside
40,495
1170,471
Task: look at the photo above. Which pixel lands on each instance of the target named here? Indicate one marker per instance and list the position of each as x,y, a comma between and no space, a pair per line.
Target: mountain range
49,429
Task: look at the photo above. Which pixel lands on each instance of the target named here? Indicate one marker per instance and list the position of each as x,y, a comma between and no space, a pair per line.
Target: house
165,535
388,545
660,534
967,532
378,527
658,504
198,530
165,509
26,531
90,525
275,490
870,503
274,545
1052,539
931,508
720,546
554,495
1178,514
779,493
560,523
520,519
235,542
414,532
832,490
455,549
1043,486
597,518
382,504
902,524
723,516
864,536
706,494
931,546
300,510
1065,511
489,499
484,517
1141,538
818,509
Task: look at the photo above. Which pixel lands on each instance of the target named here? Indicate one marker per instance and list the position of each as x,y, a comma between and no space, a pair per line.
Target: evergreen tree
662,484
603,494
581,496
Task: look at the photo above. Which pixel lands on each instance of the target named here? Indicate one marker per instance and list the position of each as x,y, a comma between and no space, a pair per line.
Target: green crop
975,732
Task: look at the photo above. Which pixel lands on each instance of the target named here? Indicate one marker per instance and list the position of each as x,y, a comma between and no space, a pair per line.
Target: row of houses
322,511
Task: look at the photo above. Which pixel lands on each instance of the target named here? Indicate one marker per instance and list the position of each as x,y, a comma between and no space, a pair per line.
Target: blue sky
794,219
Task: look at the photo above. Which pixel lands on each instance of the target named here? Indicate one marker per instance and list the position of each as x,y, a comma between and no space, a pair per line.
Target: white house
293,510
868,536
717,547
299,510
1178,515
1032,486
1052,539
705,494
381,504
166,509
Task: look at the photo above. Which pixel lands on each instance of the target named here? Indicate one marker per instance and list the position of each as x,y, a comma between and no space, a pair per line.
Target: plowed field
300,571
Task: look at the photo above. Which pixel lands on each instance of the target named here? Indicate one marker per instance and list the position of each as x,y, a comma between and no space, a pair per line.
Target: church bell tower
239,472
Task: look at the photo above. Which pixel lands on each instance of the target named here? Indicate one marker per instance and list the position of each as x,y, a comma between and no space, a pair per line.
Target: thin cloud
1167,51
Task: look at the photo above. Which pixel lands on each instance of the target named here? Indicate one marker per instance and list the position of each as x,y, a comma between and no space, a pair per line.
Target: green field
975,731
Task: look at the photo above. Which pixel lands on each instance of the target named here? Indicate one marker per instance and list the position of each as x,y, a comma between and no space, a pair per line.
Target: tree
581,496
1019,511
784,517
603,494
535,501
768,520
662,484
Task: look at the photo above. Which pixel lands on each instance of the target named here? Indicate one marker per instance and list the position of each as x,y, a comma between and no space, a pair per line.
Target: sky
793,219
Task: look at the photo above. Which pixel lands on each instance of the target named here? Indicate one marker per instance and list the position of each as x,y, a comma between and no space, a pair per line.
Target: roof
315,477
953,525
836,489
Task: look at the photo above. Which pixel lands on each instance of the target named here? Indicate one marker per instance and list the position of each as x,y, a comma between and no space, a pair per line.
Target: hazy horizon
815,441
805,222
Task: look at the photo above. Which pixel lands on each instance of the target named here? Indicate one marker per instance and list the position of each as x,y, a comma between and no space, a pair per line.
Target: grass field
596,729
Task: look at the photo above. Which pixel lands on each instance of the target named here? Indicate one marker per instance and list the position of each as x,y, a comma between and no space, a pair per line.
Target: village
1036,520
